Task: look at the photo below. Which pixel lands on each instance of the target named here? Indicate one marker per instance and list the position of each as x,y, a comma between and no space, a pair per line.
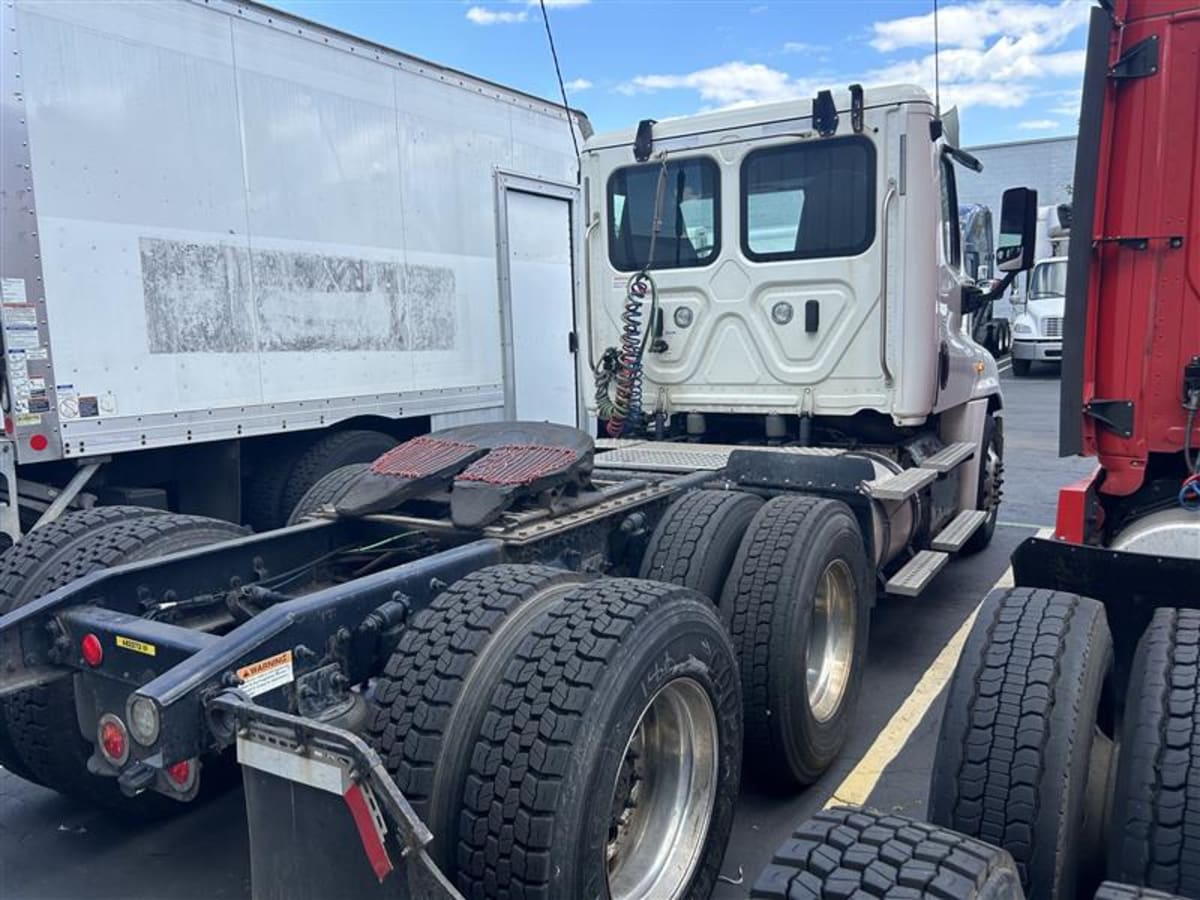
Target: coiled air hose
622,366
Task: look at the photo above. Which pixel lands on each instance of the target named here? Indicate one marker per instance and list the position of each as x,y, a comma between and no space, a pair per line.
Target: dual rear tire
794,589
1030,757
566,738
39,729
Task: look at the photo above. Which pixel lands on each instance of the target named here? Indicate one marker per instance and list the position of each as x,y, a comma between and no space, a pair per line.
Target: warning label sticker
267,674
136,646
12,290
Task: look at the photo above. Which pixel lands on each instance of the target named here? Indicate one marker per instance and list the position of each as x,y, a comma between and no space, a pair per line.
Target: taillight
90,649
182,775
113,739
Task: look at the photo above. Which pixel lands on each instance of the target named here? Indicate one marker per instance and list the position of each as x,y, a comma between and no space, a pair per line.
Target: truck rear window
809,200
690,232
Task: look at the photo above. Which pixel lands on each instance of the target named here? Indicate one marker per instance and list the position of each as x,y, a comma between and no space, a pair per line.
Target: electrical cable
562,88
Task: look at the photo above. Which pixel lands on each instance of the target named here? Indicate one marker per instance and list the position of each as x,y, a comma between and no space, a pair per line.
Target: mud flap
324,817
304,845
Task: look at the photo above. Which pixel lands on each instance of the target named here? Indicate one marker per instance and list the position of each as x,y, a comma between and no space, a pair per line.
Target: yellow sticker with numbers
136,646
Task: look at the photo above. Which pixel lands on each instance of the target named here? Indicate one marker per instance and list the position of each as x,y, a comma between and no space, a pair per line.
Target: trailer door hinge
1115,415
572,342
1139,61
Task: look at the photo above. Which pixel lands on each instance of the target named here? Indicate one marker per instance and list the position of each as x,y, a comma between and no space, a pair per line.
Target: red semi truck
1071,735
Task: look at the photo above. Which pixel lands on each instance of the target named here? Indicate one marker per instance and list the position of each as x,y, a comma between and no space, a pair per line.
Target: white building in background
1045,164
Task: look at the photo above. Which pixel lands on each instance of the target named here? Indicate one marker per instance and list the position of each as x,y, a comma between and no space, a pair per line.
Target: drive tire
40,549
990,490
1022,367
327,491
262,504
770,604
1154,835
330,452
42,722
697,538
552,758
1110,890
426,710
1022,760
843,852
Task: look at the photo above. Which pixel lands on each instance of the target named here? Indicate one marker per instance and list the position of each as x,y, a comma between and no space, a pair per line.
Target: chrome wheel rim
663,796
831,636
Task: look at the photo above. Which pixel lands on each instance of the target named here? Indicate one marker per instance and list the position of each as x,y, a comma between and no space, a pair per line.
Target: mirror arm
975,299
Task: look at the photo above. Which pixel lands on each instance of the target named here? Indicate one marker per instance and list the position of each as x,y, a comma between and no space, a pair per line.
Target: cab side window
951,233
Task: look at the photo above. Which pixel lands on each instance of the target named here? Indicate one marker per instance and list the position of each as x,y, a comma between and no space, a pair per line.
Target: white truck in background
1038,311
241,249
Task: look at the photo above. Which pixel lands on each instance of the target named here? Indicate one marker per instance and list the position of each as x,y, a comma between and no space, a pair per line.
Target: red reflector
38,442
113,740
180,773
93,653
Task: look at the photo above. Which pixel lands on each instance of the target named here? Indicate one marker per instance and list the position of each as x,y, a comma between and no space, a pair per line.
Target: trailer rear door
537,288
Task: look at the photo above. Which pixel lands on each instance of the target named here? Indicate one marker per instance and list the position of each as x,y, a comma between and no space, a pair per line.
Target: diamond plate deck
950,457
917,573
959,531
901,486
658,457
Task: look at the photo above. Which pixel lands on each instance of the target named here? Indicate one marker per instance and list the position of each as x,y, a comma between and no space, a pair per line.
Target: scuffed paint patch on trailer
429,291
209,298
197,297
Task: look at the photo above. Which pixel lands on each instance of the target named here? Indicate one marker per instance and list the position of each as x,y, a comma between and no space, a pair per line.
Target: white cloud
973,24
995,53
482,16
576,85
802,47
1038,124
729,84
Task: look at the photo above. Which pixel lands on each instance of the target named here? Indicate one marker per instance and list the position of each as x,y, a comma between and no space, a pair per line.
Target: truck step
950,457
959,531
917,573
901,486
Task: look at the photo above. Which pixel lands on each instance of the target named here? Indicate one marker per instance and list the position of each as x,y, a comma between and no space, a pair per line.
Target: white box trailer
223,224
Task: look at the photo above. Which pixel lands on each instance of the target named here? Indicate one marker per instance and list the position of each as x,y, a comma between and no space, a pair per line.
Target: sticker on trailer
267,674
25,420
18,315
12,290
21,337
89,407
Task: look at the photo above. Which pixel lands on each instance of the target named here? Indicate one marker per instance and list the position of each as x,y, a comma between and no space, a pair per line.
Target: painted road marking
856,788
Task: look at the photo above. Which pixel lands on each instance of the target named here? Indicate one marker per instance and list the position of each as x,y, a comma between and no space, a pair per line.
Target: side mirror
1018,230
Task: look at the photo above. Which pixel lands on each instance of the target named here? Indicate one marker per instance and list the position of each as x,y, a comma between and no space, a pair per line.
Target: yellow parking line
856,788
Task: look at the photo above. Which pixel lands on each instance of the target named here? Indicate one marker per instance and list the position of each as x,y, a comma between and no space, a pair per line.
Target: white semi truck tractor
523,659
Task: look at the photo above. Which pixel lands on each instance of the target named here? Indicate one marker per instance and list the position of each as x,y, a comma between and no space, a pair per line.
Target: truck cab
806,267
1038,320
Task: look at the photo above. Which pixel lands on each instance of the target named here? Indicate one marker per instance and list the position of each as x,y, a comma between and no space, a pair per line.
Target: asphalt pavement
51,847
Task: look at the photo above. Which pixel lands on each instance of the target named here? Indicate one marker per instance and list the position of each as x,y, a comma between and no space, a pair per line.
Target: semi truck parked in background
1038,308
514,658
241,250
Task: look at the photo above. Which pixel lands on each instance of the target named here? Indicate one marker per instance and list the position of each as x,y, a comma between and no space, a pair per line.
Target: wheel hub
831,638
663,795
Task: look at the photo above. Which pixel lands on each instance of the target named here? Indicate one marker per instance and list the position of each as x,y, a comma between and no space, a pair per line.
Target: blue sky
1012,66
